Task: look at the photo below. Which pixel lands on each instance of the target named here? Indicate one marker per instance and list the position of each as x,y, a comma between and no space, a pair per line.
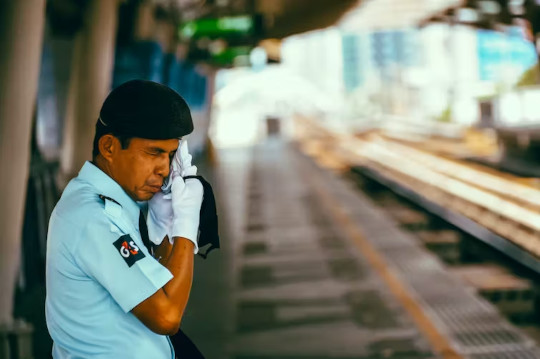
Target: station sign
237,55
226,57
223,27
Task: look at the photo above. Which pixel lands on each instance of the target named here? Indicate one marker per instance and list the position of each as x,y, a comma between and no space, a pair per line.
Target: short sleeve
117,261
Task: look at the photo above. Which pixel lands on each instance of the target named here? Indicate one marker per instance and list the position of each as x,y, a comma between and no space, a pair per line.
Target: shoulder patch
128,249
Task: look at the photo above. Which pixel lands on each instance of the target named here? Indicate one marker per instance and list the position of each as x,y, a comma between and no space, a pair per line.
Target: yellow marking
438,340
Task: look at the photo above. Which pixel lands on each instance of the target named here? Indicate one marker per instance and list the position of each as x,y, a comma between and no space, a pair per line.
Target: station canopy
389,14
279,18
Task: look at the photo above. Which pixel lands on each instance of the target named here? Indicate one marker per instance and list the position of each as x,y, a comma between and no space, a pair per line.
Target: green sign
220,27
227,57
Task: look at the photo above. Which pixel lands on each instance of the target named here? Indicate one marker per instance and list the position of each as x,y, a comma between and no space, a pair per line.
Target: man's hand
160,217
187,198
160,212
182,161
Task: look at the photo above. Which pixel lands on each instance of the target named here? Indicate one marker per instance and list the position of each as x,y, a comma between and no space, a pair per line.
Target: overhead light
466,15
489,7
516,7
217,46
258,58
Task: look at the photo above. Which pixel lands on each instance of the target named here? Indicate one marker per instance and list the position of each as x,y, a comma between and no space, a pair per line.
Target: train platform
311,268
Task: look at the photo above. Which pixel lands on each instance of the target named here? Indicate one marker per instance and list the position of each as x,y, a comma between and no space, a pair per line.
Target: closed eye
155,151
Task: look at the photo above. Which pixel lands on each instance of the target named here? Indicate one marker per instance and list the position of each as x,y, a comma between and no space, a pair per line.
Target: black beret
145,109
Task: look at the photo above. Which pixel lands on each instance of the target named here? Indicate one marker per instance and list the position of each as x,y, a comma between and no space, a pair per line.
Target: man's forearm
163,251
180,264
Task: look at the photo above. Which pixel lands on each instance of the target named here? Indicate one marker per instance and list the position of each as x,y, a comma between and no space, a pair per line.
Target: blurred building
422,61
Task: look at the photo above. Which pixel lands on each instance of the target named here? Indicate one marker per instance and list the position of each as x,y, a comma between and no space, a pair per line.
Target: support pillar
90,82
144,21
21,36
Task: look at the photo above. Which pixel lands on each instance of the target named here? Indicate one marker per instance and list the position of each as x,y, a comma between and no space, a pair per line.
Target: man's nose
163,167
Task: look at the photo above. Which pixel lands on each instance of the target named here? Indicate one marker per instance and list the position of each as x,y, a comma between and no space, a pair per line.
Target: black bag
208,235
184,347
208,224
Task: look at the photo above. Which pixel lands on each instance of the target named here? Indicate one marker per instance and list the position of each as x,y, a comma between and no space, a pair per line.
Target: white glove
180,166
160,217
160,211
187,198
182,160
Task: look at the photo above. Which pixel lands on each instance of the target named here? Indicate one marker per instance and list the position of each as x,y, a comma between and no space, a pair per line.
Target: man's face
141,167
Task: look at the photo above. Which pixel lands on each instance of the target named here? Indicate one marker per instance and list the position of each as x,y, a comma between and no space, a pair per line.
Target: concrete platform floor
310,268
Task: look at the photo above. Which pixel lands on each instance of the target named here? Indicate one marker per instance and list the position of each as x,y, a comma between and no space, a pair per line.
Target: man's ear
107,145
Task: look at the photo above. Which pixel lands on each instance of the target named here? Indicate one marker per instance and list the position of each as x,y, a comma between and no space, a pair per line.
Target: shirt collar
108,187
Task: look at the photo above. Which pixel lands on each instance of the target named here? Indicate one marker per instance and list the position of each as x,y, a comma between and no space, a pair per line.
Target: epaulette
112,207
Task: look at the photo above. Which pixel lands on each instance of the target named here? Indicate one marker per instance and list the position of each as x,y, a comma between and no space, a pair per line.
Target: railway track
488,205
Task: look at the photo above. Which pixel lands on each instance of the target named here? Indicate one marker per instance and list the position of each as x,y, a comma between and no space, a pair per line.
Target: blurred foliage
529,77
445,116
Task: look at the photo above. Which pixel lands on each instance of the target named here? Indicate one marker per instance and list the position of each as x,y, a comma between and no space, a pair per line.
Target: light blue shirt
98,270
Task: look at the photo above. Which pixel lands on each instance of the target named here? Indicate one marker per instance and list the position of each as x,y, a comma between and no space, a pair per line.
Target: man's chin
145,196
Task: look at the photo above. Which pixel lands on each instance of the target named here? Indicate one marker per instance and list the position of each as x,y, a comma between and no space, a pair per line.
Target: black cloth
208,223
183,346
143,230
144,109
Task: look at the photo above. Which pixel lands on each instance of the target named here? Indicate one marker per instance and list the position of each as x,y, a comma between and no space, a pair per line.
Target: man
108,296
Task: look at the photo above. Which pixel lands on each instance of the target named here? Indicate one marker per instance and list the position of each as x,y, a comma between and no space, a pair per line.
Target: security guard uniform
98,270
